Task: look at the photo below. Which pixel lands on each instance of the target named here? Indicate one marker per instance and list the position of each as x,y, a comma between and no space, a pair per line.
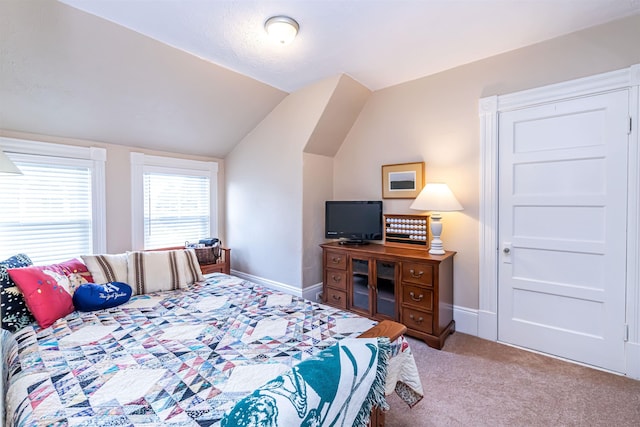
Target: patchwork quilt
178,358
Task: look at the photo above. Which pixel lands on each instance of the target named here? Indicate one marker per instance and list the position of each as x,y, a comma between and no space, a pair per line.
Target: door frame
489,110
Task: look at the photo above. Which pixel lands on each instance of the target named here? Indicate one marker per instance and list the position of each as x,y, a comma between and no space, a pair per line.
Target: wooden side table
222,265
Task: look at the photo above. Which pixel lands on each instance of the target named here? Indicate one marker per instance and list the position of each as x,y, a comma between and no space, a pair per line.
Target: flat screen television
355,222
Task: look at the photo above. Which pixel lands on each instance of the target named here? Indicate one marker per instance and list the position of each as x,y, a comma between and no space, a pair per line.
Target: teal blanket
338,387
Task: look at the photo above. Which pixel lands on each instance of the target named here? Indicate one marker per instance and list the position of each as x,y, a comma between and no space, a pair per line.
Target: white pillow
156,271
107,268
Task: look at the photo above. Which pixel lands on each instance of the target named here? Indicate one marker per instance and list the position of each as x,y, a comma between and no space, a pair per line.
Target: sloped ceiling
338,117
70,74
379,43
195,77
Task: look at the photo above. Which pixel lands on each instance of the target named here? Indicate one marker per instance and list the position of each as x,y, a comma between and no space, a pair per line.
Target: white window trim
98,157
141,163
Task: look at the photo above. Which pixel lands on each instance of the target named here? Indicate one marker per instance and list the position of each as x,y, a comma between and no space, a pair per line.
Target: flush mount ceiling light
282,29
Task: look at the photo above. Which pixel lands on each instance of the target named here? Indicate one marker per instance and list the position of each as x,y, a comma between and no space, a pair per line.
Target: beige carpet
474,382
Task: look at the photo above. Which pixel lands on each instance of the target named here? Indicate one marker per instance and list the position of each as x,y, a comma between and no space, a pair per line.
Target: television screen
356,221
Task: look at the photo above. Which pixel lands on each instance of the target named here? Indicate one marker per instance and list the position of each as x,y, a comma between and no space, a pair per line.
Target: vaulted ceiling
196,76
377,42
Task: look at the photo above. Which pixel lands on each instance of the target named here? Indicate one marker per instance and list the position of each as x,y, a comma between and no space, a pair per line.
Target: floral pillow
15,314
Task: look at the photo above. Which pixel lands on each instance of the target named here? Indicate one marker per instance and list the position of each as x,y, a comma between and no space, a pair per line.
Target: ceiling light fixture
282,29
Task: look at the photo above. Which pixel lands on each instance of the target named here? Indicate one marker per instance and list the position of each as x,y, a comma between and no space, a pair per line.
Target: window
174,201
55,210
175,207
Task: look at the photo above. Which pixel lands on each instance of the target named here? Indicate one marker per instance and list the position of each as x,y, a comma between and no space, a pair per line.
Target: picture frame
402,180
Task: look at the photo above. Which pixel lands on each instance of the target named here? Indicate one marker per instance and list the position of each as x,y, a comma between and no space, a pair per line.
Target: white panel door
562,216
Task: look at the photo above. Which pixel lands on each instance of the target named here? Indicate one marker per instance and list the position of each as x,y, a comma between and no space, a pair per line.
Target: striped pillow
192,267
107,268
156,271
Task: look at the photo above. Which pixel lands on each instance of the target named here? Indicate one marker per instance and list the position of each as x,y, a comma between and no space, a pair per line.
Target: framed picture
402,181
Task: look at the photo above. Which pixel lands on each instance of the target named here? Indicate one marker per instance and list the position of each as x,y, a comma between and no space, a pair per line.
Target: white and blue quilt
186,357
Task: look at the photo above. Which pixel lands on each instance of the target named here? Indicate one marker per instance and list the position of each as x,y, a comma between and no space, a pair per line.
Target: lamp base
436,231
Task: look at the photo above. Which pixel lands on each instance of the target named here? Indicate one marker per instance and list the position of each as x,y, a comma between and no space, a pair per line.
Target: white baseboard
466,320
309,292
488,325
633,360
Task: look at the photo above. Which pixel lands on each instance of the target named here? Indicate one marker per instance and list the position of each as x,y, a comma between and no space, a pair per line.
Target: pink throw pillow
46,292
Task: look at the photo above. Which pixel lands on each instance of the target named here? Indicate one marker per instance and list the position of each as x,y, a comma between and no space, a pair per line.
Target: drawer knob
418,320
416,275
336,278
336,297
413,296
336,259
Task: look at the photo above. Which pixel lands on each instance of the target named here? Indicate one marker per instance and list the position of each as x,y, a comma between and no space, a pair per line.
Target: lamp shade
282,29
436,197
7,166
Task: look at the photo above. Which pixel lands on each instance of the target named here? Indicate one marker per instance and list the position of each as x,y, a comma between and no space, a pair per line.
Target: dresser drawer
337,279
418,320
336,298
337,260
418,273
416,296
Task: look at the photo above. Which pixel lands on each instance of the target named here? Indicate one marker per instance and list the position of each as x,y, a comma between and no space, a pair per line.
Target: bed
185,357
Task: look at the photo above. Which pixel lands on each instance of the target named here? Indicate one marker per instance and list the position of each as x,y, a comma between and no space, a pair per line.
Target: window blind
46,212
176,209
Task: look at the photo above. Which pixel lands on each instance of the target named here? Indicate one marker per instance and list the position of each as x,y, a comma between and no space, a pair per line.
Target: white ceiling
380,43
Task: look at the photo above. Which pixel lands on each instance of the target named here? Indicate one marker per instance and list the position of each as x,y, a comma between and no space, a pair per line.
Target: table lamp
436,197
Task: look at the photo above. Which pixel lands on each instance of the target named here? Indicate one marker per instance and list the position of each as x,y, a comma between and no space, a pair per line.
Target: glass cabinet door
360,284
385,288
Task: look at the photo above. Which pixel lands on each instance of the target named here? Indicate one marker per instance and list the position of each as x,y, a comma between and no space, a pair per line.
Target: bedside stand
223,265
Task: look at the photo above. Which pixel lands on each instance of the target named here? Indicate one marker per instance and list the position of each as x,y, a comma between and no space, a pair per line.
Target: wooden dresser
406,285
